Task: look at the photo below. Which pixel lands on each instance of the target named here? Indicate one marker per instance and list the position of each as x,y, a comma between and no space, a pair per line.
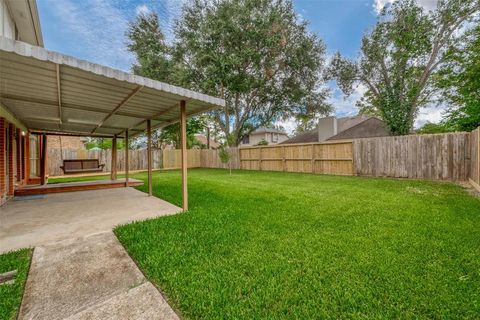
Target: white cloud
428,5
289,125
98,28
346,106
431,113
142,9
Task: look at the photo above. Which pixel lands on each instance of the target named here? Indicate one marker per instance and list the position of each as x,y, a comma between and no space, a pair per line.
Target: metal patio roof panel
68,94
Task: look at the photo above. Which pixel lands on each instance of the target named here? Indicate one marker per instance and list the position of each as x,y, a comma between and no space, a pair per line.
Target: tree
399,57
460,85
257,56
155,60
224,152
430,127
103,143
147,42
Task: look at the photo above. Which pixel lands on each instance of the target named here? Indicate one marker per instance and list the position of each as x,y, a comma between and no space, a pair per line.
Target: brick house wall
3,148
15,161
72,143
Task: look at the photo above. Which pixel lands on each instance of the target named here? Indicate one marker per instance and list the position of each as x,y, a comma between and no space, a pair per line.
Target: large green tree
155,59
400,55
460,85
255,54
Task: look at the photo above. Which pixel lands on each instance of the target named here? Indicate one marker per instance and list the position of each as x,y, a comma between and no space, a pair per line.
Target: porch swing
78,166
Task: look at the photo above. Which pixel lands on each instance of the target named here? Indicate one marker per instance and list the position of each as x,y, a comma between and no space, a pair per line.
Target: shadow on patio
53,217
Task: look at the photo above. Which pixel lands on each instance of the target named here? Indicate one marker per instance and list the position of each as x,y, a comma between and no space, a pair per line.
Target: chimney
327,127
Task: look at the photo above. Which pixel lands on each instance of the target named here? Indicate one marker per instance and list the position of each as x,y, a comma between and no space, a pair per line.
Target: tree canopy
155,59
257,56
401,55
460,85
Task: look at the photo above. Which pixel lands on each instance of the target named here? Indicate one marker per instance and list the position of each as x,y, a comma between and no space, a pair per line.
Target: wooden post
260,158
284,162
478,155
313,159
113,170
126,158
43,160
183,135
149,156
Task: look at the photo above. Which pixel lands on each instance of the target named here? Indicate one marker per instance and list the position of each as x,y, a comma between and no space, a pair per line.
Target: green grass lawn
11,294
277,245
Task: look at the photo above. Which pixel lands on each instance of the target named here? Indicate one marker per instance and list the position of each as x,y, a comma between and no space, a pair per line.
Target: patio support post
126,158
149,155
113,170
183,135
43,160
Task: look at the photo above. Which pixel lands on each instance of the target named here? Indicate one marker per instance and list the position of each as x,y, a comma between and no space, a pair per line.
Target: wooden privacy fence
426,156
325,158
451,156
162,159
211,159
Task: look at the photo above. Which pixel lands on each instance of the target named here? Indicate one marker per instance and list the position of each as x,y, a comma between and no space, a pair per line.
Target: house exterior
332,128
269,135
19,151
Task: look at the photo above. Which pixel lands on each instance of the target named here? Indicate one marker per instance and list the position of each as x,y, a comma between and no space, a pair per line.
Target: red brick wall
2,161
11,186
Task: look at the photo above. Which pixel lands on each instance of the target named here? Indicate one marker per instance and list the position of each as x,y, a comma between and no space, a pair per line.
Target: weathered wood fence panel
475,158
452,156
322,158
429,156
172,159
211,159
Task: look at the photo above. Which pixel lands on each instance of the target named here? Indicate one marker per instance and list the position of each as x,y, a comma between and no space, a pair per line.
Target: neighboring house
332,128
270,135
203,140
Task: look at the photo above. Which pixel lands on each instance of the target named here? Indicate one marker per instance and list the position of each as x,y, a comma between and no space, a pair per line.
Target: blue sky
94,30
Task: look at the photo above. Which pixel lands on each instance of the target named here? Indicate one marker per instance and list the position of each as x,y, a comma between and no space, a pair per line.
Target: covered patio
46,93
54,217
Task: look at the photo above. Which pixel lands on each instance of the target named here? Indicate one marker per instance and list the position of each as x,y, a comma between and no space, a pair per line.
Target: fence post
260,159
313,158
284,161
478,155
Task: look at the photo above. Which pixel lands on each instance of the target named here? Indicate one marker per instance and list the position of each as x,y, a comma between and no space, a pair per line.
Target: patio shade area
49,91
45,92
53,217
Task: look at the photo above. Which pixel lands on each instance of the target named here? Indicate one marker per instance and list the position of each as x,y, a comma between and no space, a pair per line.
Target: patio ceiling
52,92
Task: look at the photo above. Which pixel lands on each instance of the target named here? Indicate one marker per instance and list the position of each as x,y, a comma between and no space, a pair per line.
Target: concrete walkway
54,217
90,277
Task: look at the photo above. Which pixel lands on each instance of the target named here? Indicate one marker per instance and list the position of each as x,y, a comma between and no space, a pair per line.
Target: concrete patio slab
89,278
60,216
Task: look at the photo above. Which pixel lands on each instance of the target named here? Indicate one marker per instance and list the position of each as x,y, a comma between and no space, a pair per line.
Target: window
274,137
246,140
34,156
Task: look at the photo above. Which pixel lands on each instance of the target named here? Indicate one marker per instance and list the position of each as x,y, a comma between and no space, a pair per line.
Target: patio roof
52,92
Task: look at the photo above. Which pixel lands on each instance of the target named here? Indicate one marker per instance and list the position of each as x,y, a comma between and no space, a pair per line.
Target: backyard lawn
285,245
11,294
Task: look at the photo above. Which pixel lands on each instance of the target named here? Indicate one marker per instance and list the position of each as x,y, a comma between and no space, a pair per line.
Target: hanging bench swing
72,166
